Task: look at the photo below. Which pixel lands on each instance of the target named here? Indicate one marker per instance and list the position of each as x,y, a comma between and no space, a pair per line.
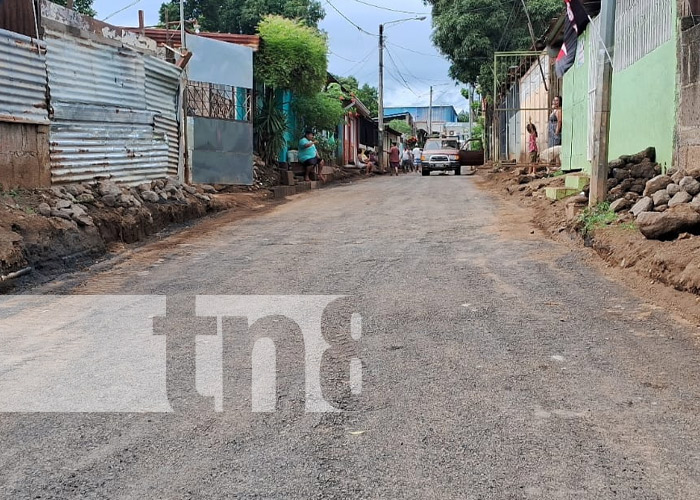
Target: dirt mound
619,242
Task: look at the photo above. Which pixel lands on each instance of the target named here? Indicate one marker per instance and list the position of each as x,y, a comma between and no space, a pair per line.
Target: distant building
441,116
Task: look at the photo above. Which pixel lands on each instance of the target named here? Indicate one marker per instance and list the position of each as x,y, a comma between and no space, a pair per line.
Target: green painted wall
643,111
643,107
574,132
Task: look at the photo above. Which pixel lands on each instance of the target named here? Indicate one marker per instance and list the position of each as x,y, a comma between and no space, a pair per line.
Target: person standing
308,155
416,158
406,161
532,147
555,123
394,158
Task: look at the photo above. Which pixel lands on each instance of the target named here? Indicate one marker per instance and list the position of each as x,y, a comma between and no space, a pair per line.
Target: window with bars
223,102
640,27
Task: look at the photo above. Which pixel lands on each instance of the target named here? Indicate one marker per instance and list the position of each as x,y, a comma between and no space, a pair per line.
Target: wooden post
69,4
142,23
601,123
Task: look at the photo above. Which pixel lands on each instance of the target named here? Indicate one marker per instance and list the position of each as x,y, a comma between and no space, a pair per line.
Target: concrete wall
643,111
24,156
688,128
575,129
644,101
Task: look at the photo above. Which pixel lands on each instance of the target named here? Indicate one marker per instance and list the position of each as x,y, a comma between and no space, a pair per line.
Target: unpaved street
495,364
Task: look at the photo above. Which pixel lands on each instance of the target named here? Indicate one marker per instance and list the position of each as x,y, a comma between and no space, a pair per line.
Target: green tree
322,111
367,94
468,32
370,97
463,116
82,6
400,126
292,56
242,16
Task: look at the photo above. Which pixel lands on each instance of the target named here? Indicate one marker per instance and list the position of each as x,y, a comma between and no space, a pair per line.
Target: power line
121,10
414,51
396,67
341,57
392,10
362,61
349,20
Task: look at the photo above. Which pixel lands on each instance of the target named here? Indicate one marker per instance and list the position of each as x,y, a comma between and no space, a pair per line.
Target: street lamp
380,147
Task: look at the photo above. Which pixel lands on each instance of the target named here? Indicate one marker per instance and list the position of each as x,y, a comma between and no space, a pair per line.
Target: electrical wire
392,10
506,27
361,61
341,57
398,71
121,10
361,29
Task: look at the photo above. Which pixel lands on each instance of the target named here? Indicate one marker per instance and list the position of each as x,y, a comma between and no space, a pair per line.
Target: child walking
532,147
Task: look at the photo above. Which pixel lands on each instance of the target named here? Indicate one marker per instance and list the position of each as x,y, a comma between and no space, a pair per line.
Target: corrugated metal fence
104,104
22,79
162,85
640,27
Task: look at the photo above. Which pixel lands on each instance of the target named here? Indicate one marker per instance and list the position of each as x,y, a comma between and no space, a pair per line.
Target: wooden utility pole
601,123
380,125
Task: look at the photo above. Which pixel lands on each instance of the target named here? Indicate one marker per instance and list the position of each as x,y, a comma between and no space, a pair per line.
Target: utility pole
601,124
182,24
380,147
430,114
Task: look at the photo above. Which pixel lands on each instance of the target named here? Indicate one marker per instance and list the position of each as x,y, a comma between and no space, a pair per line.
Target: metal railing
223,102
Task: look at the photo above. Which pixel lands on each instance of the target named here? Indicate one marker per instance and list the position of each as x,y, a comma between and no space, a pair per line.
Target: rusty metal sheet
90,72
162,86
18,16
102,126
99,146
170,130
22,79
162,91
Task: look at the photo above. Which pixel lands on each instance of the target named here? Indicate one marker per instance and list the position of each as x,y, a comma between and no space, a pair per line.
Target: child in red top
532,146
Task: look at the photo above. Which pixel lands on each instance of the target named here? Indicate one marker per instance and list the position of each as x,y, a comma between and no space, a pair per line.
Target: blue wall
440,113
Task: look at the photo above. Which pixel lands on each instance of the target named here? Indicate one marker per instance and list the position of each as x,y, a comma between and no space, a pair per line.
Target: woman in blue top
308,155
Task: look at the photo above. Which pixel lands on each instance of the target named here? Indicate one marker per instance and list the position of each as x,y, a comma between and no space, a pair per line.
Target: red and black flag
576,22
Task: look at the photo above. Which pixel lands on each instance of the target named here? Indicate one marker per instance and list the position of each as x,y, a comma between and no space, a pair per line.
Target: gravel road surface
495,363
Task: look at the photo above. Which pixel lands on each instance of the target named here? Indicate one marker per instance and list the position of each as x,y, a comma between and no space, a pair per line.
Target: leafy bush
270,126
292,56
322,111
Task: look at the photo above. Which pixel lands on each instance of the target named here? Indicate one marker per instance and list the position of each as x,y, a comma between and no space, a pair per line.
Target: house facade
644,92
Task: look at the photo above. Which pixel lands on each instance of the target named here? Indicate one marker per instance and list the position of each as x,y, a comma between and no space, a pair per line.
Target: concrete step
577,181
559,193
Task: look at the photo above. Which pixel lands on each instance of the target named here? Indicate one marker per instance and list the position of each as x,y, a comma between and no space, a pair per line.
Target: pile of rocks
628,177
71,202
264,176
670,204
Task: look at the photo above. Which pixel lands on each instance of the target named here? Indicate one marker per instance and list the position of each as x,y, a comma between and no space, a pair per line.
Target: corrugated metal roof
172,37
22,79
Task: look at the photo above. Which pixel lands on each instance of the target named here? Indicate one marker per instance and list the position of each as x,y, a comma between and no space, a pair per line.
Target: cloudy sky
412,64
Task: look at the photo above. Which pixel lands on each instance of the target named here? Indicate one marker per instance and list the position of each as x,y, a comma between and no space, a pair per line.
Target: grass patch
558,173
593,218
